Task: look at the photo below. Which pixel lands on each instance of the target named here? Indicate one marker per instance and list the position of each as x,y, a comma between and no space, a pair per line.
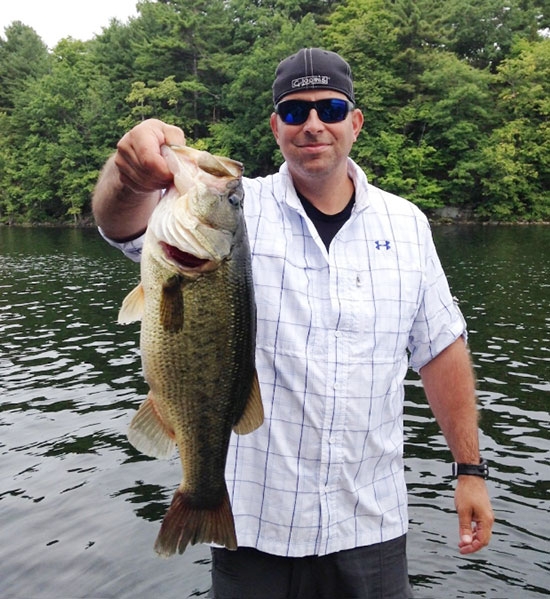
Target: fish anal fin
253,414
132,306
171,305
149,434
185,523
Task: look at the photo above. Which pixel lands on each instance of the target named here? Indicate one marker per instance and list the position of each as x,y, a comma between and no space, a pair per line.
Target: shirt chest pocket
380,304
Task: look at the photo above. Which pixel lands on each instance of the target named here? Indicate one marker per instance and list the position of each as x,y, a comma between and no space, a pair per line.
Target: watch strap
481,469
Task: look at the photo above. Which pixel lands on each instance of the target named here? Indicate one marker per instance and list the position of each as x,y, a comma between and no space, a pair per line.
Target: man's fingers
173,135
475,535
475,515
139,160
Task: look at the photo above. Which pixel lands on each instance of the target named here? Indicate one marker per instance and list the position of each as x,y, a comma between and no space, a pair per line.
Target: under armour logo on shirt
382,245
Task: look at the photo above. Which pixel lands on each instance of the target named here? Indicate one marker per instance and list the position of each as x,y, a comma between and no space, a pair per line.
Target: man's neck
328,196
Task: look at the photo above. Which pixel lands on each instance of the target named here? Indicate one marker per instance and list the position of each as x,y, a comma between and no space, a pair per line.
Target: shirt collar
356,174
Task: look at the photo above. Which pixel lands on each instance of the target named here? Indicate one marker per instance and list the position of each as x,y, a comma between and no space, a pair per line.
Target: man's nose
313,122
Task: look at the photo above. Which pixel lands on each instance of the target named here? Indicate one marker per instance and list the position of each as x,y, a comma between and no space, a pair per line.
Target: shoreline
434,221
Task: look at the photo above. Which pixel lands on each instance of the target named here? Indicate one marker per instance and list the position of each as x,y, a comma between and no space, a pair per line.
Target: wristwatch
481,469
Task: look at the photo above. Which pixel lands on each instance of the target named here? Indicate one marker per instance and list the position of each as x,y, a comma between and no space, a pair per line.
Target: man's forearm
121,212
449,384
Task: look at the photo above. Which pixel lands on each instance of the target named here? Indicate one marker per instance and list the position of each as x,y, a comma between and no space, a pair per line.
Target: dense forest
455,93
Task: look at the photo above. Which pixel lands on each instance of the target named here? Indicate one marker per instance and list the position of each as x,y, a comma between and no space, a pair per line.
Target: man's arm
131,182
450,388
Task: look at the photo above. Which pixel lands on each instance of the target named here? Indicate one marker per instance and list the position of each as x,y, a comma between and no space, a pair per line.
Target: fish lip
184,261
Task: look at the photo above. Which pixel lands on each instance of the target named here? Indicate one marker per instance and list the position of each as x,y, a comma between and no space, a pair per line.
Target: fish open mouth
184,260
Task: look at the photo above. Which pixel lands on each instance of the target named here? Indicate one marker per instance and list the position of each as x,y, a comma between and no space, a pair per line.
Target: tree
454,93
23,57
245,133
56,126
483,31
516,157
183,41
454,112
364,32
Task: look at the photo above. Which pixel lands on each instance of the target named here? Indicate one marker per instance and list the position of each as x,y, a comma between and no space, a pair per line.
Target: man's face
315,148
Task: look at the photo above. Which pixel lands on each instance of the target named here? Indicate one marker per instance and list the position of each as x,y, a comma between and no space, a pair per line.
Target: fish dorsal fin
149,434
219,166
132,306
253,414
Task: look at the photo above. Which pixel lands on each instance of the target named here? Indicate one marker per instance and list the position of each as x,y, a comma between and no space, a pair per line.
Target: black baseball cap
312,68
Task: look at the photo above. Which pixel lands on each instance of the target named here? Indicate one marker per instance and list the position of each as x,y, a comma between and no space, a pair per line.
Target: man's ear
357,120
274,122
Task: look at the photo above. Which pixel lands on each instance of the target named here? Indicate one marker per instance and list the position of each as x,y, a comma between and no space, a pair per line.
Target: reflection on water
81,509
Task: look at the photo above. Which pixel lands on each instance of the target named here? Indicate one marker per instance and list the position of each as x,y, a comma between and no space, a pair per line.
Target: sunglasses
296,112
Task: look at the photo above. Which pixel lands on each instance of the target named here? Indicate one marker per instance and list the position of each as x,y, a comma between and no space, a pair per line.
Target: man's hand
133,178
475,515
141,166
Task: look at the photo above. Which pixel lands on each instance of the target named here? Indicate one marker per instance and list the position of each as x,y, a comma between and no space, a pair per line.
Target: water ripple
78,518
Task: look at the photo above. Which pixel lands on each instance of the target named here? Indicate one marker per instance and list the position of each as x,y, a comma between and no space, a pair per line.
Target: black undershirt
327,225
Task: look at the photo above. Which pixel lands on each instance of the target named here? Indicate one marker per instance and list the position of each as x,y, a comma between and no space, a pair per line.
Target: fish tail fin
253,414
149,434
185,523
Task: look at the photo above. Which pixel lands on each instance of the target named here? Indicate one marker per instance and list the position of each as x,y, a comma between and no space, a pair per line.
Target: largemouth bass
198,327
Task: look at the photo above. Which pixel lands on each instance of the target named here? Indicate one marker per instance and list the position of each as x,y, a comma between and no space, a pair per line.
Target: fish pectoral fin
253,414
132,306
149,434
171,305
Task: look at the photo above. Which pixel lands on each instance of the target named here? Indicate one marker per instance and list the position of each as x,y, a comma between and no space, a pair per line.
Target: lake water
80,509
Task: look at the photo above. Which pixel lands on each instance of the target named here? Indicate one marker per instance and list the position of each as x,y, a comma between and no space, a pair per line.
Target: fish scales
208,364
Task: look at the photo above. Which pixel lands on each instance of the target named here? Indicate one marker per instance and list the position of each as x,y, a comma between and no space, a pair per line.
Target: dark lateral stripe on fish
184,259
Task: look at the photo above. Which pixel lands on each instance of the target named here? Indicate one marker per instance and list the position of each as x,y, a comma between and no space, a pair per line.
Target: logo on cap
310,81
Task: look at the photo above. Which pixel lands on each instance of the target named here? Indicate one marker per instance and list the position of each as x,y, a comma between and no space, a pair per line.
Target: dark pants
374,572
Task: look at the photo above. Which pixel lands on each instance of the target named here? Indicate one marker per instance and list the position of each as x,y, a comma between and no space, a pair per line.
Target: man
347,281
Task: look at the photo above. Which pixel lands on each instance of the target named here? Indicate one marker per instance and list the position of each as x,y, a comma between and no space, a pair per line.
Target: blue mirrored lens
296,112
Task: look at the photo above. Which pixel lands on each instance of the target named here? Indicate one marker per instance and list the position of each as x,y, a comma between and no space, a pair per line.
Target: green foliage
56,127
455,96
484,31
23,57
516,157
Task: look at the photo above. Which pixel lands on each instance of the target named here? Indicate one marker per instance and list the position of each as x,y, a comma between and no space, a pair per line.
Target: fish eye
234,199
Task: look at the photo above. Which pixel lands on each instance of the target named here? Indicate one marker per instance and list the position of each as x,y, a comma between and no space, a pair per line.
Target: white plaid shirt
325,471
